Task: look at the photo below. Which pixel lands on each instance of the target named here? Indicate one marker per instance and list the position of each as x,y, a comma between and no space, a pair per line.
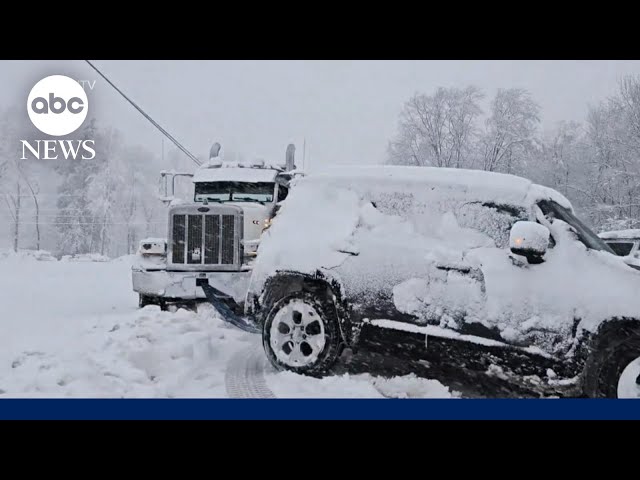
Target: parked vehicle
624,243
212,238
463,271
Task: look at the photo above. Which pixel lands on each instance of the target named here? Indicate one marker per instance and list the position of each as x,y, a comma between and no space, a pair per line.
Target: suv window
492,219
621,248
585,234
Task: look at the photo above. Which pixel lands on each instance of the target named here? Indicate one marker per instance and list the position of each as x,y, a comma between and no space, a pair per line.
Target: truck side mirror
529,239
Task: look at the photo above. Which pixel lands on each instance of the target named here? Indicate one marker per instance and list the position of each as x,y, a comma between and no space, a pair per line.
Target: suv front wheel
613,370
301,334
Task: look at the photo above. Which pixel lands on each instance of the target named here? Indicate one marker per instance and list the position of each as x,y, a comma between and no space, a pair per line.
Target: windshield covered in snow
261,192
585,234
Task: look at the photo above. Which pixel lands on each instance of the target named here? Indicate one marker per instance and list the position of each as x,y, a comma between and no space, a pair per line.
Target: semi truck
213,237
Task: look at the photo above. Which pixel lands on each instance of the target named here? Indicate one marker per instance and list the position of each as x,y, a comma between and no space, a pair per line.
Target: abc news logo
57,106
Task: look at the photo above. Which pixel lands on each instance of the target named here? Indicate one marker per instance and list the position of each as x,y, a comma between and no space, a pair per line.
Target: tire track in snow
244,376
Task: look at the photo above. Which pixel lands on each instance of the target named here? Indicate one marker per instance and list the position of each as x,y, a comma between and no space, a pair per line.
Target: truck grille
209,239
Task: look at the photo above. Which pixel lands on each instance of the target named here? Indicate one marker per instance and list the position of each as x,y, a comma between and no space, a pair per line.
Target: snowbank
290,385
85,337
85,257
27,255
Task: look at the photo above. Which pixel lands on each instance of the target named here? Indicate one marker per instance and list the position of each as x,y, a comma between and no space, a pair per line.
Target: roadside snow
290,385
73,329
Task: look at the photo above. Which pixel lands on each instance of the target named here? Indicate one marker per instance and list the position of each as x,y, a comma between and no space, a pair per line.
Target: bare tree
509,129
14,205
436,130
463,110
34,190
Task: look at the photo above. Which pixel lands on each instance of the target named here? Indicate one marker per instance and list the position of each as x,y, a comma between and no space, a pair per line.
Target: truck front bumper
182,285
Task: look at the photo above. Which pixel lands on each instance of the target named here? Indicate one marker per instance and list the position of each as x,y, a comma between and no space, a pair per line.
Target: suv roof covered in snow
475,184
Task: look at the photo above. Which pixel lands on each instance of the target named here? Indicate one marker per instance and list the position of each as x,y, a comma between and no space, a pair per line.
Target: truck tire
613,368
144,300
301,334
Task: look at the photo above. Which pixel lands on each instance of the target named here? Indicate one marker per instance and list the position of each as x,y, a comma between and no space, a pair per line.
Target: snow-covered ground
73,329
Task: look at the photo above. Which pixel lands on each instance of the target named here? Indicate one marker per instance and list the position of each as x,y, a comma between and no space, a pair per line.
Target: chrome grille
205,241
228,232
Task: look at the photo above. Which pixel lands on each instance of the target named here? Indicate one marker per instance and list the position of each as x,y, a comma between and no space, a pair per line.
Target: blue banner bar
317,409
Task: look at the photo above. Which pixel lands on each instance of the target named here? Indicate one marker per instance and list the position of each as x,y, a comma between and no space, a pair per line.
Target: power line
153,122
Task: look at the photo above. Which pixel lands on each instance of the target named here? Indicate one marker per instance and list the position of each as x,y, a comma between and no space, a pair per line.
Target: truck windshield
261,192
585,234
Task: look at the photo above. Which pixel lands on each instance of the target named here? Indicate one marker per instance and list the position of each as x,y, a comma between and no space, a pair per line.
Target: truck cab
254,188
213,236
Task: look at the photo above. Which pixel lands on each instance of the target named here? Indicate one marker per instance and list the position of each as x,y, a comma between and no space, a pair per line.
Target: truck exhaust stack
215,150
290,163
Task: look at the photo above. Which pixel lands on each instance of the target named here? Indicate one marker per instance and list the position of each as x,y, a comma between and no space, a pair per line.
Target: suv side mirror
529,239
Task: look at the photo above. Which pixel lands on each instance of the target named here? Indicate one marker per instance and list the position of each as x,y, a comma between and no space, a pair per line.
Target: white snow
85,257
632,234
288,385
434,331
459,183
530,236
540,302
234,173
414,209
73,329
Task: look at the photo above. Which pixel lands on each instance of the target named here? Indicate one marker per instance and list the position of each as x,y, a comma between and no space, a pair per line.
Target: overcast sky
346,110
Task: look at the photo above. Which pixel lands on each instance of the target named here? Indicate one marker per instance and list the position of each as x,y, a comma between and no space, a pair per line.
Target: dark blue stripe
338,409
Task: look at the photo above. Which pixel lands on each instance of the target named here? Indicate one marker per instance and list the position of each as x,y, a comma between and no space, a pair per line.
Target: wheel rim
297,335
629,382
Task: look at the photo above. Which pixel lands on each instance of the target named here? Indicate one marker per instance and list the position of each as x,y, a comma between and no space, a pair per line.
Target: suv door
414,268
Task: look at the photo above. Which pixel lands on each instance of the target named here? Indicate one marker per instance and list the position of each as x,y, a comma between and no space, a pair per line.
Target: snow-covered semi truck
215,235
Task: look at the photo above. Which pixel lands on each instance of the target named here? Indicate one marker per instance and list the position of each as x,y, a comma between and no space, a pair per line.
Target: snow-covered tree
18,187
75,221
437,130
509,130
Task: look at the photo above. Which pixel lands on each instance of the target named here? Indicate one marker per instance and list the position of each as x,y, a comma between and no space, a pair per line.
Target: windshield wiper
210,199
249,199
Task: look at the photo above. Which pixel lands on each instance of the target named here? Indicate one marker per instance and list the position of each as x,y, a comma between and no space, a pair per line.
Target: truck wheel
301,334
144,300
613,371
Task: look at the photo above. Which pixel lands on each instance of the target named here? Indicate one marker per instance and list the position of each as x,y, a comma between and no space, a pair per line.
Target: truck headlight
152,247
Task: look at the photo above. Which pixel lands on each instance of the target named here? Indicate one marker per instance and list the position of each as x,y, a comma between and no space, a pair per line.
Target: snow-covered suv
462,270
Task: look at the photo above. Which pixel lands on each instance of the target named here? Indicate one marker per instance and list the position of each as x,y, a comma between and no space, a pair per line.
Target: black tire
144,300
613,350
333,339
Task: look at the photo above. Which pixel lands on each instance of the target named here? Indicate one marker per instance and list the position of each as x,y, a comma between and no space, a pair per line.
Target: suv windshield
261,192
585,234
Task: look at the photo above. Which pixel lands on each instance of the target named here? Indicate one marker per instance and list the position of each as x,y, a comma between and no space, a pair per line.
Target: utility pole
304,153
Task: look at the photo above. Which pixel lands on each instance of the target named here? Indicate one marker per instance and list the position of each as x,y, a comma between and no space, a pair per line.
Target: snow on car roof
235,173
481,185
620,234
